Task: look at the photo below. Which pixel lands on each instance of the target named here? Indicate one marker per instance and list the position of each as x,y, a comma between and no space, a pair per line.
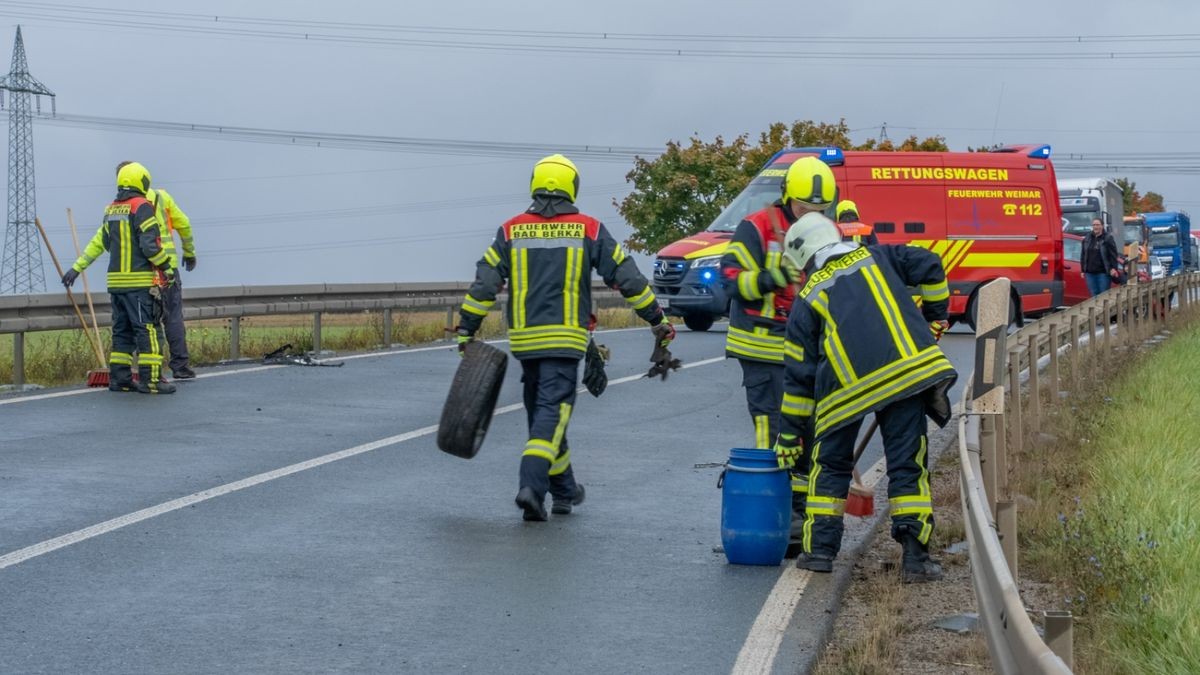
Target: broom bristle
860,502
97,378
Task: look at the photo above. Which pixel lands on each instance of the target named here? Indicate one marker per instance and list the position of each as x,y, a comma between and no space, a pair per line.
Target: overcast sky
622,92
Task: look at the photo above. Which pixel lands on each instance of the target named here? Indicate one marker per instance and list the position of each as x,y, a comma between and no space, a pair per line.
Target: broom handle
75,305
86,291
862,446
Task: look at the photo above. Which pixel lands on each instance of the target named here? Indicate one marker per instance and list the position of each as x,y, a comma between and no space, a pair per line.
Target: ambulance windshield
757,195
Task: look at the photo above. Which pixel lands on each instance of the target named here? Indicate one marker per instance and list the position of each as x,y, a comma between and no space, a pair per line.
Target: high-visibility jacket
858,232
172,219
130,234
758,305
856,341
547,262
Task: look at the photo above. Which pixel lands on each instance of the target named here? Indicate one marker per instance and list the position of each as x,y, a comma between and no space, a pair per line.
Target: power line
595,43
377,143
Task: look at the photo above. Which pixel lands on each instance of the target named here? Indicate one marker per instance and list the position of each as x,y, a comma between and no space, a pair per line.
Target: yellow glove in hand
786,455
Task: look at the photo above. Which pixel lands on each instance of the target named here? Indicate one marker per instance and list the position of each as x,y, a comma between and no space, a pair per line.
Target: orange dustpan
861,500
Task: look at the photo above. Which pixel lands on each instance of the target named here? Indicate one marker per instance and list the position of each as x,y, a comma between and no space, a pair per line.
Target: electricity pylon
21,269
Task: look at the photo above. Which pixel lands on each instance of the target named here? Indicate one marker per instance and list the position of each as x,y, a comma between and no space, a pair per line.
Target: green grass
54,358
1117,519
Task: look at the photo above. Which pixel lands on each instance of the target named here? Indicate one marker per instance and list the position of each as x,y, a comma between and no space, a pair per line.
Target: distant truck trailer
1085,199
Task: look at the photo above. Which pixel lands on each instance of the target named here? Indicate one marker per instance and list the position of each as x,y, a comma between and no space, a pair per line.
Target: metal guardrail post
1016,433
1006,524
18,360
235,338
316,332
1055,383
1033,351
1106,319
988,458
1076,361
1060,635
387,328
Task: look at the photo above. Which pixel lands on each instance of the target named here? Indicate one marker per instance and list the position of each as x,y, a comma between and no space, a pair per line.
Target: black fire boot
815,562
534,509
562,507
146,384
917,566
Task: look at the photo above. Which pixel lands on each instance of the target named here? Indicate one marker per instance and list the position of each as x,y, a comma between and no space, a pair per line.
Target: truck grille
669,270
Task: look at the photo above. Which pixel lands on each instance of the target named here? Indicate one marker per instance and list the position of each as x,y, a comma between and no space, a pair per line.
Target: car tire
472,400
698,322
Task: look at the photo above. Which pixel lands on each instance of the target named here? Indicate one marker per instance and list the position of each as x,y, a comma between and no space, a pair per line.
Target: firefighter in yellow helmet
857,344
761,287
545,256
137,265
172,219
851,227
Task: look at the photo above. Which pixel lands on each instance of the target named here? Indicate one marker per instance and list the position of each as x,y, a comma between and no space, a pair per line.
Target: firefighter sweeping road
304,521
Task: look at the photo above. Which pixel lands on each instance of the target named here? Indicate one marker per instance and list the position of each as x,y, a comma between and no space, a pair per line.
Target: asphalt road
390,557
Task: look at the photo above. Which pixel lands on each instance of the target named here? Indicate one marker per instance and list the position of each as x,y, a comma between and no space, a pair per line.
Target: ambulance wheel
472,400
698,322
973,311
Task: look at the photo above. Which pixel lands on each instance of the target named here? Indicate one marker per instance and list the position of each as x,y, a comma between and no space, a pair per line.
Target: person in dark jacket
138,270
1099,260
857,344
546,255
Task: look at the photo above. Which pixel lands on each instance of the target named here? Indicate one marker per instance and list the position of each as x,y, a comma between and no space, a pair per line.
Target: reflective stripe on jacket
859,233
856,341
130,234
758,306
547,264
172,219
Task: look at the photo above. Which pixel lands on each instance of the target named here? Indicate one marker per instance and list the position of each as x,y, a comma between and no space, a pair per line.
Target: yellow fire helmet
555,175
811,181
847,211
133,176
812,232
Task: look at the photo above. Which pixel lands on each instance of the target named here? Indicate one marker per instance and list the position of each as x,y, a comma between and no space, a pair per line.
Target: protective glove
189,262
782,272
661,358
462,336
787,451
938,328
69,278
594,377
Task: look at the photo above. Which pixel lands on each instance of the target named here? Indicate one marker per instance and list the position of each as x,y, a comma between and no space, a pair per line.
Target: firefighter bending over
761,288
852,227
546,256
137,270
858,344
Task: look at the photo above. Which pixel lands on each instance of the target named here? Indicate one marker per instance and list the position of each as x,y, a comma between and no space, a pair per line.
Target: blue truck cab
1170,240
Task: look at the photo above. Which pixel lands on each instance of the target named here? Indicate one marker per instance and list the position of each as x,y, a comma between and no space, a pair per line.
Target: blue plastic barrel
756,508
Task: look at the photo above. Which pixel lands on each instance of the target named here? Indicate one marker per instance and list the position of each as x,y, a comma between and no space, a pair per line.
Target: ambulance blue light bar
828,154
1040,152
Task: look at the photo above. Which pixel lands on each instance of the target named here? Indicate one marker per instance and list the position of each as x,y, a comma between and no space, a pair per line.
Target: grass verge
1114,508
62,357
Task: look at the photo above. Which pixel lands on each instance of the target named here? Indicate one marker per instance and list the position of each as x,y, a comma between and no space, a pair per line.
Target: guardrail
996,422
21,314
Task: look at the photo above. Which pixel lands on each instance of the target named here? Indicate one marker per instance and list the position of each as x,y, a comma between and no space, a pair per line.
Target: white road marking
259,369
758,652
42,548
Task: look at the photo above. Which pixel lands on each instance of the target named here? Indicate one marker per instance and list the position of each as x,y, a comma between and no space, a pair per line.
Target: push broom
87,292
95,378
